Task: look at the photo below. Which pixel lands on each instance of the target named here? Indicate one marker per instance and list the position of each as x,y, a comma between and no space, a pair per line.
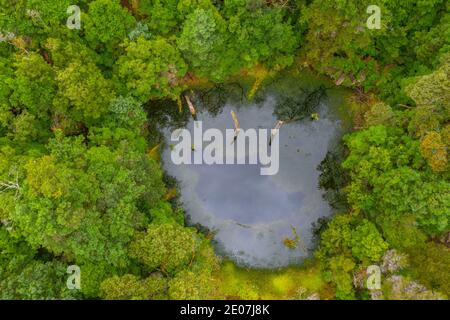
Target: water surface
252,214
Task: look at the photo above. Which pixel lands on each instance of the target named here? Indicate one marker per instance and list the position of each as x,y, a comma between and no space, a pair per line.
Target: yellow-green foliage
259,73
434,150
242,283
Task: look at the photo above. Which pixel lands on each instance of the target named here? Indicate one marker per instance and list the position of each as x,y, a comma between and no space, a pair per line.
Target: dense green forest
81,183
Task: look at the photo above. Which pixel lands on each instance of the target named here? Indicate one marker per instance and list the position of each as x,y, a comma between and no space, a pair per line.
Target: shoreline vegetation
80,182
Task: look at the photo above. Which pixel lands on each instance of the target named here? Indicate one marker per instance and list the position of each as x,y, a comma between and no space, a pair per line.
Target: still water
251,214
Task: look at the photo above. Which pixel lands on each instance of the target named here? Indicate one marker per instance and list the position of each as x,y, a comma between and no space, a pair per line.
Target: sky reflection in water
250,213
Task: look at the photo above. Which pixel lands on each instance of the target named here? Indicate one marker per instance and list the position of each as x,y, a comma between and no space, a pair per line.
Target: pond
261,220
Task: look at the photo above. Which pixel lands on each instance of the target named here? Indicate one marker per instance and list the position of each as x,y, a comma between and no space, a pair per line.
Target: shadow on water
254,217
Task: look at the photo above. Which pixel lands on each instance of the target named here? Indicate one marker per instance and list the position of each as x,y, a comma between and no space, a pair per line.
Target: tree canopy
80,178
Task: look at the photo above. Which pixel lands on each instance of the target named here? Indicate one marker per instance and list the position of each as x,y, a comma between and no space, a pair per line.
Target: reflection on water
252,214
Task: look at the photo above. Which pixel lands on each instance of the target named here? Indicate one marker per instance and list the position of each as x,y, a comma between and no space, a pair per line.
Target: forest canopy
80,185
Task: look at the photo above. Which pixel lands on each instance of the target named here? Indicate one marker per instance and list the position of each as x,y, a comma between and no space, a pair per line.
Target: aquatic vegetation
302,106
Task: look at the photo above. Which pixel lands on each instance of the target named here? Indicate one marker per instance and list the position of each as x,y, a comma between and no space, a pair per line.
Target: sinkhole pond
263,221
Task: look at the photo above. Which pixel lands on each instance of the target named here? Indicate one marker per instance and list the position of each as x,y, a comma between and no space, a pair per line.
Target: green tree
107,23
83,92
161,15
187,285
202,42
336,238
433,89
434,150
83,202
151,69
34,85
130,287
367,243
28,93
379,114
430,264
24,277
340,268
37,281
431,95
259,34
165,247
386,178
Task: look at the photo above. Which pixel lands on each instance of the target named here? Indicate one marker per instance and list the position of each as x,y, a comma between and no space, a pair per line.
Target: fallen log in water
190,105
237,129
277,127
